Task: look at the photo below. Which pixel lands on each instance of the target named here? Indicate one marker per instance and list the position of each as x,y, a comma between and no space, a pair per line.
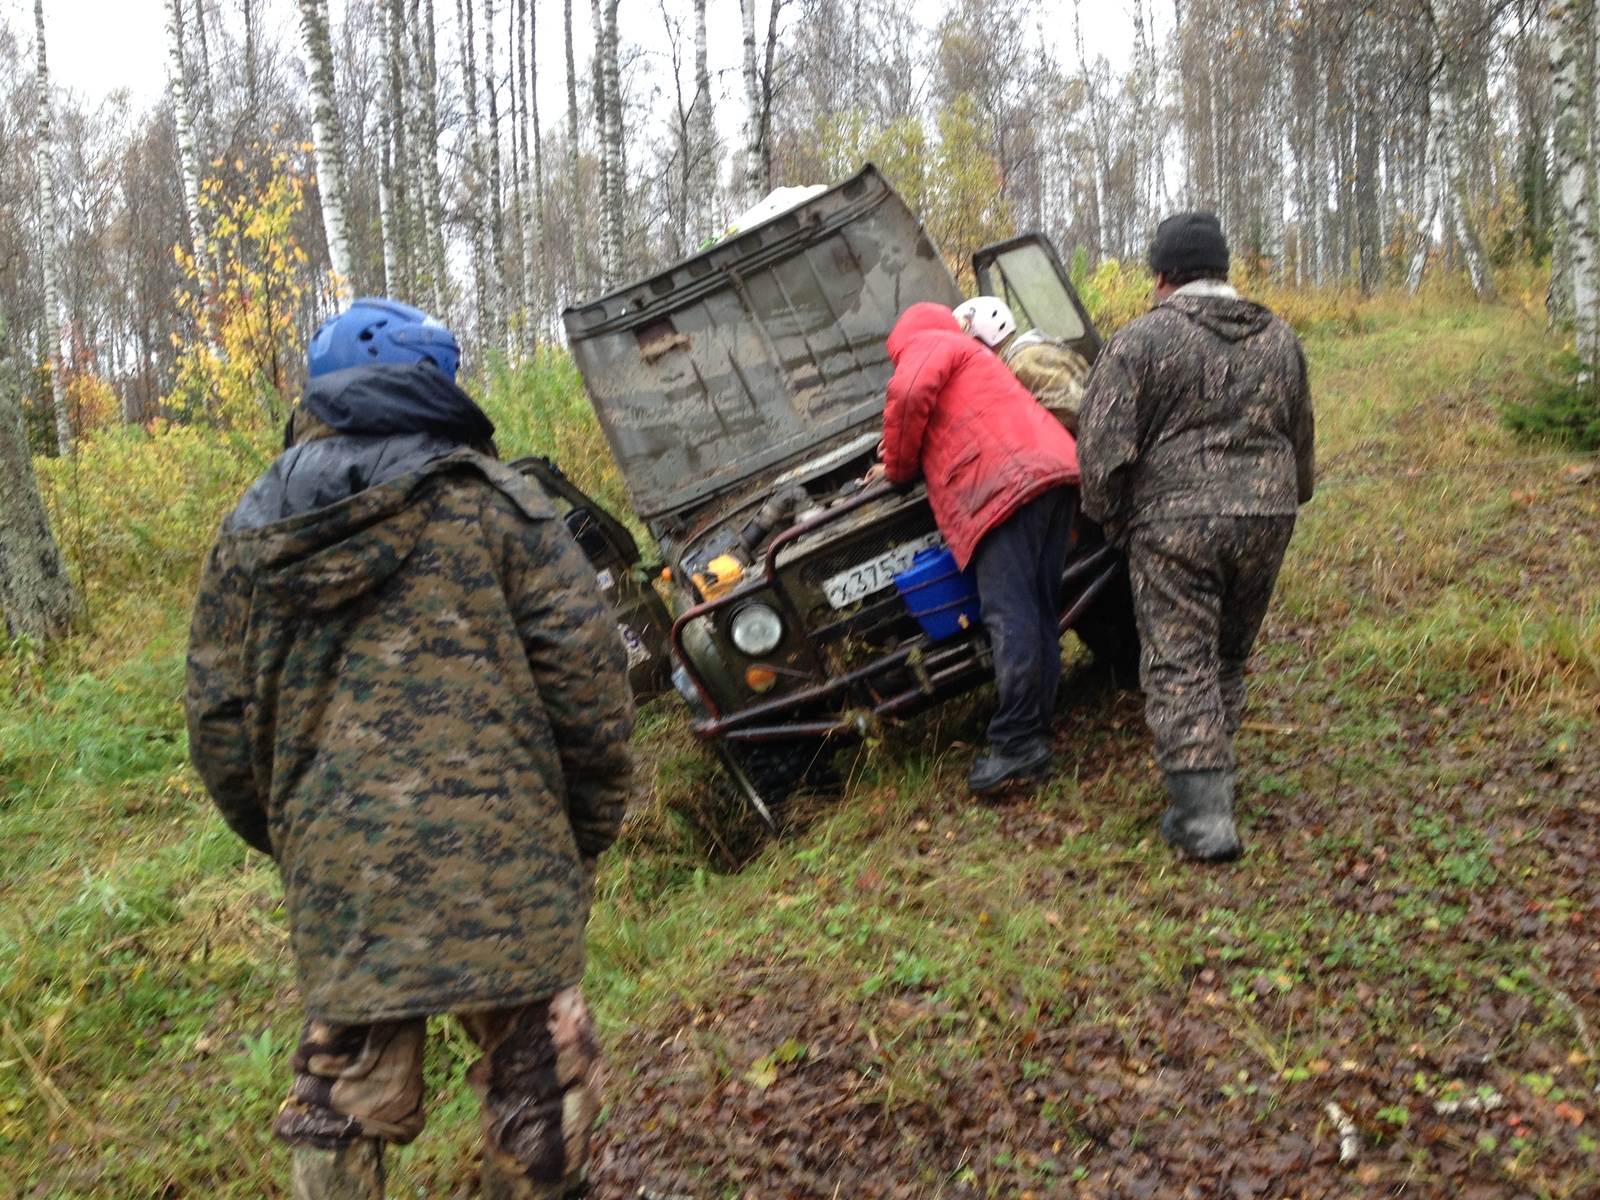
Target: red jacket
957,414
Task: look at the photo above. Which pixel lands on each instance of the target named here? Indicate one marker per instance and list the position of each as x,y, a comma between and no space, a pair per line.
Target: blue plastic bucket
942,599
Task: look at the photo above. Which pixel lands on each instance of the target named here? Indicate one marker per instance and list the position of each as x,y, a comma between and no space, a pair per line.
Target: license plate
875,574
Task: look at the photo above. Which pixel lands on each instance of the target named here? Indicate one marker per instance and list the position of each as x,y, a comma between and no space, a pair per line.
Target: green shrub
1564,408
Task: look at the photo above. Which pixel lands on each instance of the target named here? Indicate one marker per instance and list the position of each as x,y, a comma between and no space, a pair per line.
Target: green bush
1565,408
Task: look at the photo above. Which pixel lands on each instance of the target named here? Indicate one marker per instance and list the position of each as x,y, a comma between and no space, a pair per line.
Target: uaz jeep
742,394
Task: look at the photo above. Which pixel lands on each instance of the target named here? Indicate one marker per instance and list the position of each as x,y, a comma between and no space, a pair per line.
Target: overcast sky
96,46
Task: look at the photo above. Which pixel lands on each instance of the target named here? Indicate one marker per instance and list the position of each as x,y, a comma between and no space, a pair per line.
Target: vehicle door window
1028,283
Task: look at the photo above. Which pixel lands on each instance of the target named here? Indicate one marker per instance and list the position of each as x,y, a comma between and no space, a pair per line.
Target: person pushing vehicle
1053,372
1001,478
1197,440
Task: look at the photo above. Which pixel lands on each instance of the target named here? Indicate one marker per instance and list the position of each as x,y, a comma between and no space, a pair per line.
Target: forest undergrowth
916,995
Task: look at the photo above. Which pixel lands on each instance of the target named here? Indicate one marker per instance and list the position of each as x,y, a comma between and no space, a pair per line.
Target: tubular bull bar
939,670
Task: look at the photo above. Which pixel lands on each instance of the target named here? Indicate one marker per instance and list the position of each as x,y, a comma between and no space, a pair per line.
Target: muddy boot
505,1180
993,770
1200,821
353,1173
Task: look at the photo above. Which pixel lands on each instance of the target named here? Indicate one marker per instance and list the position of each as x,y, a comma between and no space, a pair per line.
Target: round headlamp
756,629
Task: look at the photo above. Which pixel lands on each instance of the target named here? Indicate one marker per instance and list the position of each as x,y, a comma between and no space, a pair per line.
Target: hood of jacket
920,318
320,559
1231,318
391,398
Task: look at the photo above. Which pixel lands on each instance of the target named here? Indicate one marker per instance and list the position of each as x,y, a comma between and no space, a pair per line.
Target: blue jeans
1018,565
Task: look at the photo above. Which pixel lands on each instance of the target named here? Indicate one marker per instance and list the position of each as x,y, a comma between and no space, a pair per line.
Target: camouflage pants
1201,586
538,1082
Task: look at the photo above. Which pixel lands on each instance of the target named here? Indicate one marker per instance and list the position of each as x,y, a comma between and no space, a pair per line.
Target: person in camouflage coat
1196,443
405,686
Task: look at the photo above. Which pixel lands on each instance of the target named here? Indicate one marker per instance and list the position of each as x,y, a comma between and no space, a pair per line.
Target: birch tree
49,251
750,189
1572,62
580,258
476,173
188,144
329,143
703,142
35,590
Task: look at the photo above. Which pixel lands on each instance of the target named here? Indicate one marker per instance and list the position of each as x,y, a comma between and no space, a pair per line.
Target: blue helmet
378,330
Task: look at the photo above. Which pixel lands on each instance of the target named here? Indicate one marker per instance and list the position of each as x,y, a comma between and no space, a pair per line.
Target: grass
1421,731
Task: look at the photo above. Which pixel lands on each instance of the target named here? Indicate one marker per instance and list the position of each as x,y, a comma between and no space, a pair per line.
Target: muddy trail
1411,937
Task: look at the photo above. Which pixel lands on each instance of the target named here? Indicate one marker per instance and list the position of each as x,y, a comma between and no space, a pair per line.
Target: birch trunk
703,142
386,222
35,590
1460,203
188,147
580,237
475,160
397,239
1429,209
203,44
1571,62
497,213
44,157
751,183
546,285
527,287
329,144
608,116
428,154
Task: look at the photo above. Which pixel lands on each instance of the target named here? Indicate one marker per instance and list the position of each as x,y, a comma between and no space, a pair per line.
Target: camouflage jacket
1199,408
415,700
1052,372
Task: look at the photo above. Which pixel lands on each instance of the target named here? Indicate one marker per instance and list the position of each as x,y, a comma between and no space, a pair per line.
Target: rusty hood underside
758,352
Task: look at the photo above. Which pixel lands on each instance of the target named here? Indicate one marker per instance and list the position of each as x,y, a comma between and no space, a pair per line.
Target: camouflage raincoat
414,698
1199,408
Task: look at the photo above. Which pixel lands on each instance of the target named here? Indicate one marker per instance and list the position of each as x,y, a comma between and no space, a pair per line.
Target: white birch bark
1428,211
546,296
35,590
55,323
750,185
188,146
386,230
329,144
580,237
615,133
527,285
703,141
398,258
427,152
1571,53
202,42
498,297
1460,201
475,161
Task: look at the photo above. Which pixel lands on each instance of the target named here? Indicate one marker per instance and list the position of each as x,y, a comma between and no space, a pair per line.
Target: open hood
764,349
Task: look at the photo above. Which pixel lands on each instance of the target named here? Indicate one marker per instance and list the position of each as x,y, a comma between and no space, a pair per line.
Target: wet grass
915,991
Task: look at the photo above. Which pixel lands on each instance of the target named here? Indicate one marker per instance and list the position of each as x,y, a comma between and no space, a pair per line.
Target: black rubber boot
352,1173
1200,821
994,771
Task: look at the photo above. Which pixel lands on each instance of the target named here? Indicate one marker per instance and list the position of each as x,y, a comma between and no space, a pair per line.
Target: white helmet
986,319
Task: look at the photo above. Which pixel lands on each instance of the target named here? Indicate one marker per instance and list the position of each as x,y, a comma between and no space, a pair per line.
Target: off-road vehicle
742,394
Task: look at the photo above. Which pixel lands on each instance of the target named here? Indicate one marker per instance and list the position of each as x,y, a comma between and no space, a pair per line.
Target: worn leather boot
993,770
353,1173
1200,821
503,1180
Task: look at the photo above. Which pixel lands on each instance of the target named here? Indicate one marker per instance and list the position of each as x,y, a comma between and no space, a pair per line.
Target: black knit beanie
1188,243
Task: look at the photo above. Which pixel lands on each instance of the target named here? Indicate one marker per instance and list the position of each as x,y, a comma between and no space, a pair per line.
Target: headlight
756,629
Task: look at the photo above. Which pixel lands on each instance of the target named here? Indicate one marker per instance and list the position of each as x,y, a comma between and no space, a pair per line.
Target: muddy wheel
767,772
